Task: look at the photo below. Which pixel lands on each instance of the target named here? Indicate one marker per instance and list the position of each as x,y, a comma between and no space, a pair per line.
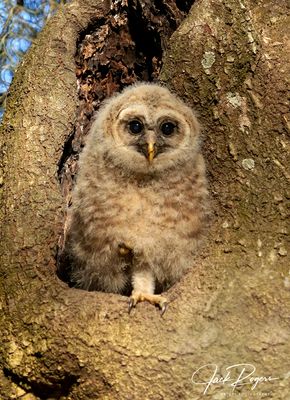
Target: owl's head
146,129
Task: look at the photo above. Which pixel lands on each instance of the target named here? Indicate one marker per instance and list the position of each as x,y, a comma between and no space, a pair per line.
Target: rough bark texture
230,59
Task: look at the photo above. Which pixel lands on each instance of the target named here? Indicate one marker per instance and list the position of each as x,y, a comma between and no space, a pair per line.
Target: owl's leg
143,290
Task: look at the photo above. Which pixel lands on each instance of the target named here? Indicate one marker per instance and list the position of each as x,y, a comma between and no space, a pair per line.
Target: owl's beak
147,146
150,152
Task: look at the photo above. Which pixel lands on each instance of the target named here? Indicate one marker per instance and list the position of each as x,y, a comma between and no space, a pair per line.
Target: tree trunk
228,59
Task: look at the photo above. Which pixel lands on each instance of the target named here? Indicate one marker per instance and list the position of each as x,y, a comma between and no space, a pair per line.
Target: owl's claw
164,308
131,304
154,299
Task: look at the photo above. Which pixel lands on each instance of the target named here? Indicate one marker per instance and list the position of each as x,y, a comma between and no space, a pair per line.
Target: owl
139,204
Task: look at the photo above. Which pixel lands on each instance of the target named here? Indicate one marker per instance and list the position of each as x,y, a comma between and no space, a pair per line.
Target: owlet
140,200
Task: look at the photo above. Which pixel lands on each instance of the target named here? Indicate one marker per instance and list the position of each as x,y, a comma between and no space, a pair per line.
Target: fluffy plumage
140,198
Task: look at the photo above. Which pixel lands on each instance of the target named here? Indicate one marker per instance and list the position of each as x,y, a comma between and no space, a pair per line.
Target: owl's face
147,129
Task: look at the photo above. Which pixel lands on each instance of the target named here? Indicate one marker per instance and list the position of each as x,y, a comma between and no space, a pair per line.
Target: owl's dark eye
167,128
135,127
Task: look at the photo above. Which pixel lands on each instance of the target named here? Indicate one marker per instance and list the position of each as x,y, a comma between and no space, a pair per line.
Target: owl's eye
167,128
135,127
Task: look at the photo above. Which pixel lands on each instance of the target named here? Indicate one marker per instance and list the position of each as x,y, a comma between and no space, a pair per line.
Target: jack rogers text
235,376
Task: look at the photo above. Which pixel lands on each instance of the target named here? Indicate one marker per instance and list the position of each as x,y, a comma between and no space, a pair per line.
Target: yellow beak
151,152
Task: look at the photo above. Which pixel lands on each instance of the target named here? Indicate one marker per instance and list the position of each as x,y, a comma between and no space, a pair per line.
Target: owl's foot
155,299
124,249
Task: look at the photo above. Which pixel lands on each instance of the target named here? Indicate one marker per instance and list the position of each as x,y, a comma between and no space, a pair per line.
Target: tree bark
230,60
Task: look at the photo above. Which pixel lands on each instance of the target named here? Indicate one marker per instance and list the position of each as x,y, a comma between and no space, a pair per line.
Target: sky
18,28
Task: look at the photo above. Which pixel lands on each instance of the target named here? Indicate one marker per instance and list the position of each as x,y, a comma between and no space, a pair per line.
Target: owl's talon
131,304
163,308
154,299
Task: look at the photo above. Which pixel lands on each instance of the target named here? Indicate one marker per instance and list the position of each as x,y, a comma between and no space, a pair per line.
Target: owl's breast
153,214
